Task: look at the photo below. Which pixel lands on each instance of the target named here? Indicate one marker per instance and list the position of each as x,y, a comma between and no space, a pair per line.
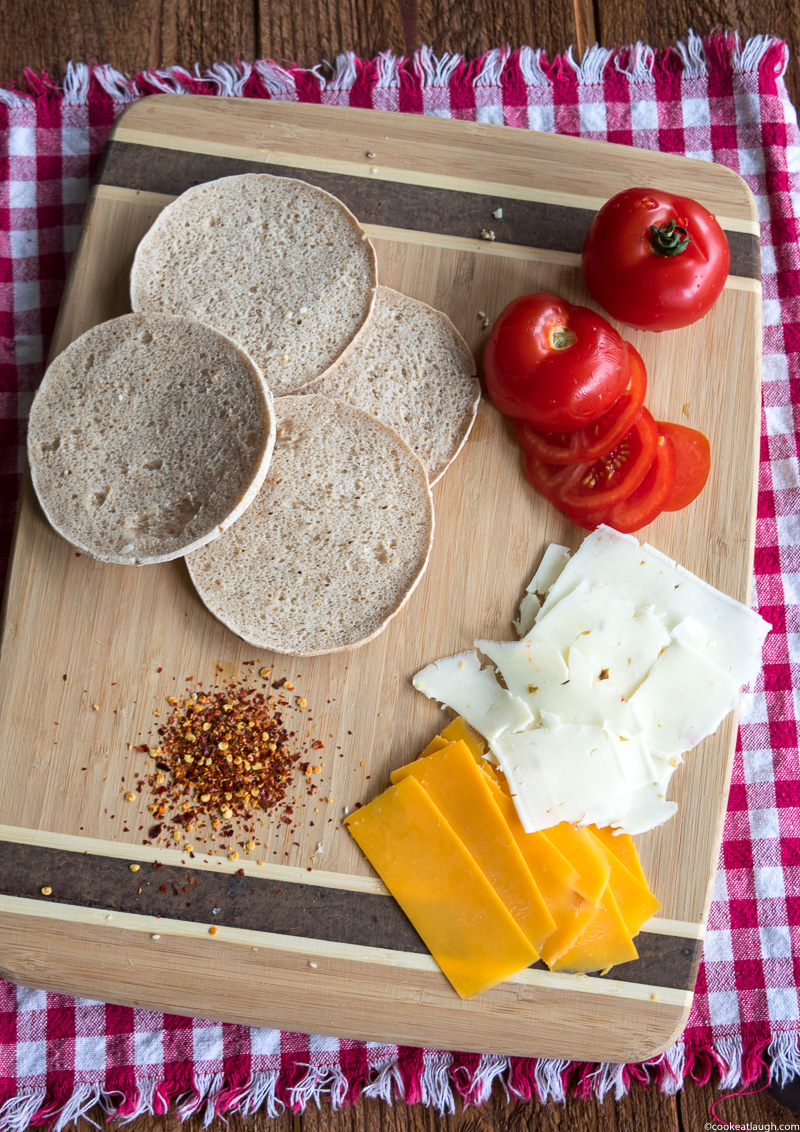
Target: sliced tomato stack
616,464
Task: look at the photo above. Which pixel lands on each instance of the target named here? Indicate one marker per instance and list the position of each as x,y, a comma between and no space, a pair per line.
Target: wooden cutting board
310,940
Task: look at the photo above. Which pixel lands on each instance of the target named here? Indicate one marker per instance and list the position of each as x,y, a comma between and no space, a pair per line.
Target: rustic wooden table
135,34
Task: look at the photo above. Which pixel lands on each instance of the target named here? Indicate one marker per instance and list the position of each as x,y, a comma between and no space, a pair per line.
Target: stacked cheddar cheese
487,898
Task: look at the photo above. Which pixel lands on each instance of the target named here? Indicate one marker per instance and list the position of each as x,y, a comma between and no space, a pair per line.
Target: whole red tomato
552,364
654,260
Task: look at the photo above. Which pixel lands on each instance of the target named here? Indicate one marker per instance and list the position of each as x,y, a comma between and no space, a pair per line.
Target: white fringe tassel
386,1084
531,64
120,87
591,67
277,80
492,67
438,1087
783,1055
636,62
549,1078
640,63
693,56
14,101
17,1113
674,1060
76,84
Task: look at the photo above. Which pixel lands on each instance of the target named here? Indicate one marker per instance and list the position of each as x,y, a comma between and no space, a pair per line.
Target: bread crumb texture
147,435
412,369
280,266
335,541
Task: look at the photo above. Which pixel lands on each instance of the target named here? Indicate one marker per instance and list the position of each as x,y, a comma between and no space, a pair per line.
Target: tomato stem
670,239
561,338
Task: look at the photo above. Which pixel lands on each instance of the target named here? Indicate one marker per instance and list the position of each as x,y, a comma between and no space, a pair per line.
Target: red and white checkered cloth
716,100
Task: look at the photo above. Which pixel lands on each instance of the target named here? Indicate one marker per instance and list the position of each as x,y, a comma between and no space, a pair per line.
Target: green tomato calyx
670,239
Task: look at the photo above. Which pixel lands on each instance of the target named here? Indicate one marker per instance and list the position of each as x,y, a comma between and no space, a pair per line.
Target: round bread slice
280,266
335,542
148,436
412,370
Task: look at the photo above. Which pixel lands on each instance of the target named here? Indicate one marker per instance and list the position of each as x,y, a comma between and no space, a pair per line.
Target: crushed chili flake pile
224,756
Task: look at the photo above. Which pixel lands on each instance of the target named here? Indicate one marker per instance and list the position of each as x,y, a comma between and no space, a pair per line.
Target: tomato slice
598,485
647,501
594,440
692,463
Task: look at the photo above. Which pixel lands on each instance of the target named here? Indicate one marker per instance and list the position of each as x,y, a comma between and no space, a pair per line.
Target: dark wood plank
315,30
472,26
642,1109
286,1122
130,36
755,1109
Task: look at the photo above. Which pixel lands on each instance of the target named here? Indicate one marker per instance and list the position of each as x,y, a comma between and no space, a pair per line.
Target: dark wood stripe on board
418,208
267,905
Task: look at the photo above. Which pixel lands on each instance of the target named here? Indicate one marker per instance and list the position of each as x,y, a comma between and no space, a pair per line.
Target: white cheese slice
528,608
552,563
529,670
472,691
647,809
684,699
630,662
576,692
651,580
690,633
625,642
567,772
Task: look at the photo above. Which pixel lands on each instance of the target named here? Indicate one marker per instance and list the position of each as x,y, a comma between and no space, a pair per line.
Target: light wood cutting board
310,940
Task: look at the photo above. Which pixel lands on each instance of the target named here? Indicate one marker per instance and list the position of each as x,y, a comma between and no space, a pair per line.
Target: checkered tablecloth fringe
716,99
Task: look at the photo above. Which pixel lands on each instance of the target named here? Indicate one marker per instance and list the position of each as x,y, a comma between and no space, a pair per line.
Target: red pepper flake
159,670
222,756
163,888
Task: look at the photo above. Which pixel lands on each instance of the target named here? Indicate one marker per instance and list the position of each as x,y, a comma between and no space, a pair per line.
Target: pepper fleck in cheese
426,867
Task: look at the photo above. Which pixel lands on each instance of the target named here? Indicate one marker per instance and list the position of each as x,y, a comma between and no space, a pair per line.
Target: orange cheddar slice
458,789
621,845
635,901
436,744
555,878
460,729
436,881
604,943
583,853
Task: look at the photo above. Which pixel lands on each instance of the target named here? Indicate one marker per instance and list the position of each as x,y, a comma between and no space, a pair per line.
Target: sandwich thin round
148,436
412,369
335,542
280,266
